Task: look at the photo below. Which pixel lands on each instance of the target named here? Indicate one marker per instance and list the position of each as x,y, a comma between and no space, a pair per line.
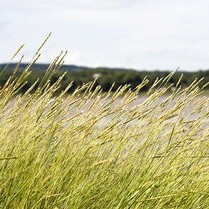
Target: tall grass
103,150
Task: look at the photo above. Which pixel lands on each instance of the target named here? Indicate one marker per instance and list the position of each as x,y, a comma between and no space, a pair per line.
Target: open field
91,149
103,150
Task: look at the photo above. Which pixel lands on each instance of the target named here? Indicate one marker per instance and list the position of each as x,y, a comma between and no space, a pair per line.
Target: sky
139,34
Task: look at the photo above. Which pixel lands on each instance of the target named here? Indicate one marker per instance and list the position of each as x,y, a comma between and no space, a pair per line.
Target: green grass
94,150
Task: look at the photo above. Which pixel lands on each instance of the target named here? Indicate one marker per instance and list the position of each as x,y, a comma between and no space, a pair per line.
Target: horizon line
108,67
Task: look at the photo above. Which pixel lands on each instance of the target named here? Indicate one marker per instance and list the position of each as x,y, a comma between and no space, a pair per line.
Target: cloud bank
117,33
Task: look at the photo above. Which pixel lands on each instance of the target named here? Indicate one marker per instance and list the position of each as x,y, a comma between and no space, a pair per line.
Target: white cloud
129,33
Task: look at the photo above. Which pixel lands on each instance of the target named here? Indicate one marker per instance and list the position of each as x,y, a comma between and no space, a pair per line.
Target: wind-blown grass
103,150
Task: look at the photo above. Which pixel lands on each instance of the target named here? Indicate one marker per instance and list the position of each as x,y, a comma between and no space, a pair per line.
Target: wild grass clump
103,150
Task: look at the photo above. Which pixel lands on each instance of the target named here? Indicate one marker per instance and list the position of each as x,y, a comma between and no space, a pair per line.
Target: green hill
105,76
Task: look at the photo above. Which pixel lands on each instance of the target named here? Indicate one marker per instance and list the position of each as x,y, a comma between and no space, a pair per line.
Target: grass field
92,150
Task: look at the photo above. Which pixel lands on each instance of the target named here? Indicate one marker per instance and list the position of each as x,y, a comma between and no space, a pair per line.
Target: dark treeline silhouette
105,76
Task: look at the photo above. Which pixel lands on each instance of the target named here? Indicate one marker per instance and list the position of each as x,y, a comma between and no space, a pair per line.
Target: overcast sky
140,34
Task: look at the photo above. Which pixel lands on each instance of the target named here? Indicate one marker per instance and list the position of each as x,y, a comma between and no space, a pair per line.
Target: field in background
91,149
102,149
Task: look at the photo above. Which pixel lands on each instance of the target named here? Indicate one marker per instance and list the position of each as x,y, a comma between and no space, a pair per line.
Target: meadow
92,149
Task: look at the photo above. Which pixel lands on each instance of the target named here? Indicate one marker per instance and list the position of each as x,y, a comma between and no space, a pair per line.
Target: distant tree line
105,77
